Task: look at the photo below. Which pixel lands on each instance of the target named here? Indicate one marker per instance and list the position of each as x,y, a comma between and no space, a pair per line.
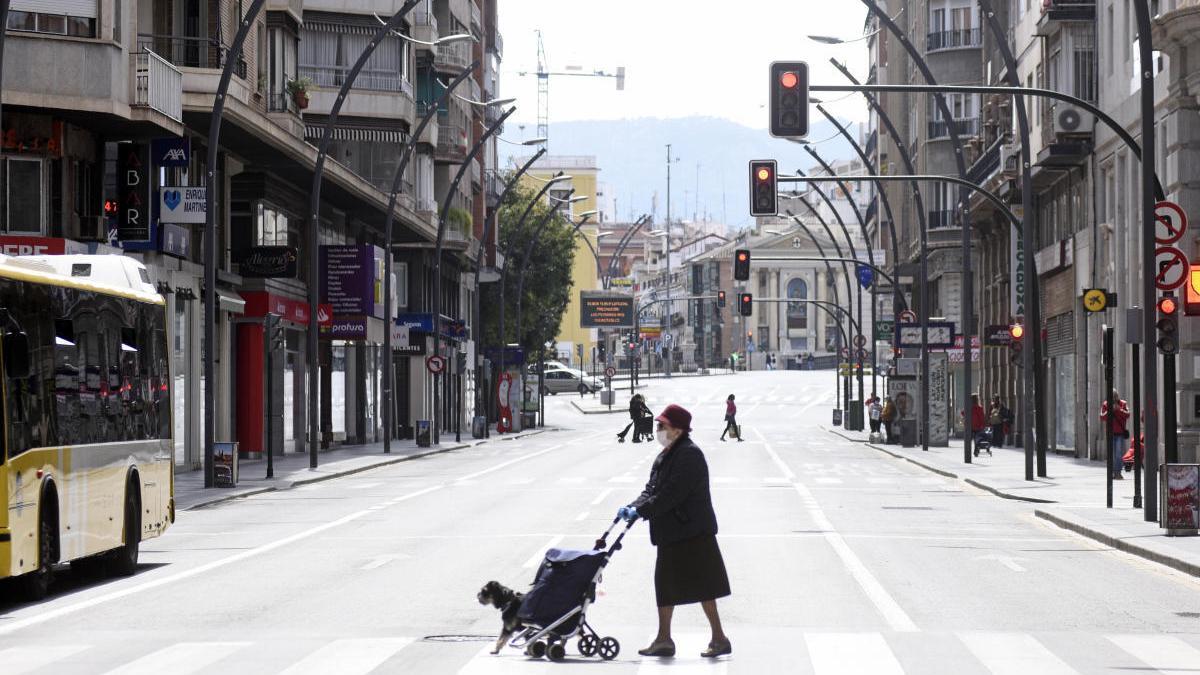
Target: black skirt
690,571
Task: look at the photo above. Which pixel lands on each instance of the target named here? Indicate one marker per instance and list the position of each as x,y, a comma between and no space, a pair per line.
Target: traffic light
745,304
1168,325
764,197
1191,293
602,352
720,298
741,265
1016,341
789,99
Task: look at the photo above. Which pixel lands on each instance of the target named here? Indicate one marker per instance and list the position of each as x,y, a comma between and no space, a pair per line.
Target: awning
313,134
230,302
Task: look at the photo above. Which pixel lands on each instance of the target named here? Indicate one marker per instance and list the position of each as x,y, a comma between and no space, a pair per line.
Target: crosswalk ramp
816,652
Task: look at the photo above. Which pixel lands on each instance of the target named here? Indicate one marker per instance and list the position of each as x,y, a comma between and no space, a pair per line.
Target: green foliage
459,219
547,290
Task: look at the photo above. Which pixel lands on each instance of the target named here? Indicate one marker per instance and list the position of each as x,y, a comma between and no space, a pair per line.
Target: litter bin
423,436
528,420
225,464
837,417
908,433
854,416
607,396
478,424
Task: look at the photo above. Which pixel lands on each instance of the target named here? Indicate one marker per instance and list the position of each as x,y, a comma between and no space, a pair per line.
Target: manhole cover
459,638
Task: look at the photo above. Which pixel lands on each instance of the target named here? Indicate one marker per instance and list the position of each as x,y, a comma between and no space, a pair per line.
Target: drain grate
459,638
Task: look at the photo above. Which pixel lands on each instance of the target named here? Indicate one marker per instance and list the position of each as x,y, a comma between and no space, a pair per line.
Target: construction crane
544,74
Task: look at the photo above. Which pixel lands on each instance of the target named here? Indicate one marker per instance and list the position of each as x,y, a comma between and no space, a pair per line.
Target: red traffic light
743,256
1016,331
789,79
1168,305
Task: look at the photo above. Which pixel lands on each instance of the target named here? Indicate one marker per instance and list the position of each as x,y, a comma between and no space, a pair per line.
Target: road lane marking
21,660
602,496
348,657
505,465
875,592
1014,654
536,558
1006,560
1167,654
582,516
851,653
380,561
180,659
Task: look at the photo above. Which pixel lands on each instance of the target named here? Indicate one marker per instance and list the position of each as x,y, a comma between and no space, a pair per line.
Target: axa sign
174,152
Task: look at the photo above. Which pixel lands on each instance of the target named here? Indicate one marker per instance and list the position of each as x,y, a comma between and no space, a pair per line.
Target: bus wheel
123,561
37,583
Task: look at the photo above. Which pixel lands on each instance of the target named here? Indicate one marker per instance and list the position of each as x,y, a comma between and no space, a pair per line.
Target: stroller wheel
536,649
609,648
588,644
556,651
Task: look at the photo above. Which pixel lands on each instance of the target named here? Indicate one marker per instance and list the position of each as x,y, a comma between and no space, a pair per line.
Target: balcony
157,85
424,28
190,52
966,38
476,18
496,44
940,129
940,220
1057,12
451,144
494,188
452,57
282,102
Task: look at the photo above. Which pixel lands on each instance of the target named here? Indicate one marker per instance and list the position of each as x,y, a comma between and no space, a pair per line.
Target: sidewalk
1072,496
292,470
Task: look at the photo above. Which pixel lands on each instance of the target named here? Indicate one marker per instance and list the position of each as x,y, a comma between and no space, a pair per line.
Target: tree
547,276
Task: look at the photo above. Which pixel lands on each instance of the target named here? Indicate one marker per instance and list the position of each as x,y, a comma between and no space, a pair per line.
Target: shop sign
182,205
33,144
40,246
453,328
133,184
416,322
414,347
997,335
270,262
259,303
352,279
345,328
324,316
598,310
175,240
1182,503
173,151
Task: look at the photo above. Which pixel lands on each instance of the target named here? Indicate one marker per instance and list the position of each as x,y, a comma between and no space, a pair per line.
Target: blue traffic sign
866,276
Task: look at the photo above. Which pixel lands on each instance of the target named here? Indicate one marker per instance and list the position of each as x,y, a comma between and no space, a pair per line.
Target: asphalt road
842,560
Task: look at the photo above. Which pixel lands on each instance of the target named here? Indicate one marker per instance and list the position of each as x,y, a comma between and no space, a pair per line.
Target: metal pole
667,328
270,323
388,222
210,234
1139,451
314,241
1150,357
1111,411
437,252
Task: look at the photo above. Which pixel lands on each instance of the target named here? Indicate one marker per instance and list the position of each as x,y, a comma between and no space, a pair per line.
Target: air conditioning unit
1010,158
1072,121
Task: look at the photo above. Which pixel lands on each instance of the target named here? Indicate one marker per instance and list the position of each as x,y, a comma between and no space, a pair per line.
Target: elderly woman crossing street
683,526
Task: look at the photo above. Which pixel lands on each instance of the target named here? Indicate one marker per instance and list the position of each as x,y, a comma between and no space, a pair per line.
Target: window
1082,41
22,183
270,227
71,17
797,312
327,51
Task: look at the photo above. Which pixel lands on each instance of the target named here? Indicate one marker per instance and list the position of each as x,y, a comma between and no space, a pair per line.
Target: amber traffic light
1168,325
741,265
764,186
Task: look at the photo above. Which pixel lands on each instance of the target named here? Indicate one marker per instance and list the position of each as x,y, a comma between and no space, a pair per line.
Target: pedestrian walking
999,417
638,410
888,415
874,412
731,426
1117,421
978,421
683,527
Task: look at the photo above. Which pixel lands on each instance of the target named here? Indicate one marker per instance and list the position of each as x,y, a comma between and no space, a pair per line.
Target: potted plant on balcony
459,220
298,87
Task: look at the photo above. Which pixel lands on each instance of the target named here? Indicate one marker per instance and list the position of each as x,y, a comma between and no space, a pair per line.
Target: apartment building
107,106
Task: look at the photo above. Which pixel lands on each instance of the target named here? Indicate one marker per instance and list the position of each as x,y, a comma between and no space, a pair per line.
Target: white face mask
664,437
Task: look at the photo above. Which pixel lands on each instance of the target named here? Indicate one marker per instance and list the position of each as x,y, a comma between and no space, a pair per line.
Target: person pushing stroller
640,420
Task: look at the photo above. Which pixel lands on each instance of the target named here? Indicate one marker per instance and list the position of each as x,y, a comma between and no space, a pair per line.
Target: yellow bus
86,469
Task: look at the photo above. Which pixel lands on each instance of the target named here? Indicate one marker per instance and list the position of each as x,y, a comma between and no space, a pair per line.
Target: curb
948,474
348,472
1120,544
598,412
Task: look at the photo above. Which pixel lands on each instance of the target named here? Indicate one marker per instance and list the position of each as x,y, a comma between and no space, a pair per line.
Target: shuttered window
81,8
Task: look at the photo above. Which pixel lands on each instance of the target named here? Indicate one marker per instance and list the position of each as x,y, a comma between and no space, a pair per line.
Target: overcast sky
682,57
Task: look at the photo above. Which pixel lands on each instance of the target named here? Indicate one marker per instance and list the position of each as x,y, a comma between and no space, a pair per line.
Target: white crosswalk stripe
828,480
347,657
1014,654
1166,654
837,653
180,658
21,660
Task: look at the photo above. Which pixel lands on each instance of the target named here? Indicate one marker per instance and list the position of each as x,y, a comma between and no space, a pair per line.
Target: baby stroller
643,429
983,442
555,610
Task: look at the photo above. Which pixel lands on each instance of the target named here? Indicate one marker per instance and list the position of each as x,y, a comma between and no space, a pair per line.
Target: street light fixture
832,40
487,104
444,40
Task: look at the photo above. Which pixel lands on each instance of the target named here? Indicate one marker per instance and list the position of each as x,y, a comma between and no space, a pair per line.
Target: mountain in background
631,155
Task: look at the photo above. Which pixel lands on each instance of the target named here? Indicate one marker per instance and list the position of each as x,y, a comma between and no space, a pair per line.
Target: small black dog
508,602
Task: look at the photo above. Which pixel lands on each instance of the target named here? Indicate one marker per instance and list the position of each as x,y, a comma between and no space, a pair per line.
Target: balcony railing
282,102
497,43
476,15
369,79
157,85
954,39
454,56
190,52
493,188
964,127
452,142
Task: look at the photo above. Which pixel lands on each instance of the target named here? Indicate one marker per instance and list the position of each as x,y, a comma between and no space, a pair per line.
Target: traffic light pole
1141,10
1110,412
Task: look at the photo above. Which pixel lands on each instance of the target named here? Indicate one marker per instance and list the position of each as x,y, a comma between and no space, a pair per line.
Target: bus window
29,417
66,384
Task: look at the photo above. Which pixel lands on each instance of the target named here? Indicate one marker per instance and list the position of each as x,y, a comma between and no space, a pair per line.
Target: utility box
225,464
478,425
424,439
908,433
854,416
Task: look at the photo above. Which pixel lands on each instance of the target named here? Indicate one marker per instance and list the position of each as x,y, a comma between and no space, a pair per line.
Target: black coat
676,501
638,410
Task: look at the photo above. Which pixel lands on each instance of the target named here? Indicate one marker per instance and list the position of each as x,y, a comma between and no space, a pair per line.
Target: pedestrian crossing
688,399
817,652
818,475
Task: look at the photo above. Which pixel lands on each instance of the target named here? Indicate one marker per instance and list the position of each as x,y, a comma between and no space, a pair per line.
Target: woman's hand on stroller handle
627,513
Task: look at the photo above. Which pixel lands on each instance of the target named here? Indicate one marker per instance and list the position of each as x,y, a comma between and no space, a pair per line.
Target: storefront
279,423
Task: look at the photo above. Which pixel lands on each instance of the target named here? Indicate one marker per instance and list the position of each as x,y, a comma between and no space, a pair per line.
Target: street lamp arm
625,240
820,249
697,240
862,223
829,232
